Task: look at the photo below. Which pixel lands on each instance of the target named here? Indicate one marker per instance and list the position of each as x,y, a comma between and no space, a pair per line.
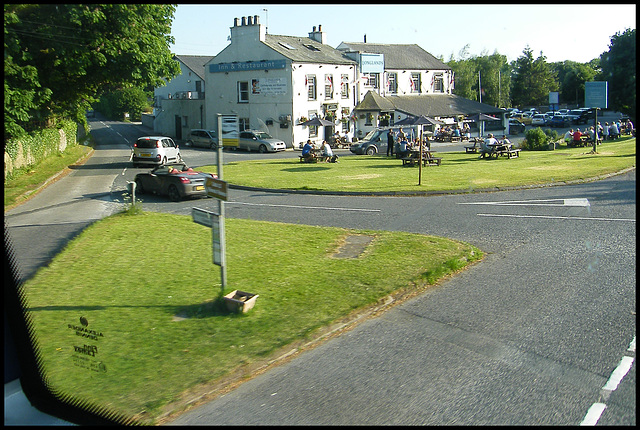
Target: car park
156,150
516,126
574,114
538,119
202,138
253,140
175,180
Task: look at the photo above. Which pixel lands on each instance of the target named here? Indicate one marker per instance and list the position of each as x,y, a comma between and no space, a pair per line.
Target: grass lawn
459,171
29,179
146,285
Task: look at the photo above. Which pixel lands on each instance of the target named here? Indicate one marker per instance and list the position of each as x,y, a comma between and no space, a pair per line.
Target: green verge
26,180
147,286
458,172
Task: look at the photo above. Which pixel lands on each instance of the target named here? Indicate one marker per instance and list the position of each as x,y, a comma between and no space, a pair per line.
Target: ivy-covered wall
34,147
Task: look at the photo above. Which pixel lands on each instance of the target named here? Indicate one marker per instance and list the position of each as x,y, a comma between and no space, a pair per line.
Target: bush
538,140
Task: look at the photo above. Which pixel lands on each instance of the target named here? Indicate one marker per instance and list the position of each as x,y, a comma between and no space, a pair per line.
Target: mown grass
458,172
130,276
29,179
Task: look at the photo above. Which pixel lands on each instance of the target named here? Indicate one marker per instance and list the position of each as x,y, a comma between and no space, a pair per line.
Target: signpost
595,96
217,188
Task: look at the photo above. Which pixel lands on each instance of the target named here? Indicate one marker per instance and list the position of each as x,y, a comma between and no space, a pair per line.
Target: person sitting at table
505,140
307,152
466,130
487,146
614,132
327,153
456,132
590,134
568,136
403,149
576,137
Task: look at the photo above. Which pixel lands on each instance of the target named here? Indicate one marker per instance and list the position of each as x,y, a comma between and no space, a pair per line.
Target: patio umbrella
316,122
481,118
406,121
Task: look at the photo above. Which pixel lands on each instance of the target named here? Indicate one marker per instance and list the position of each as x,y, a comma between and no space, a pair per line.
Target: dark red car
174,180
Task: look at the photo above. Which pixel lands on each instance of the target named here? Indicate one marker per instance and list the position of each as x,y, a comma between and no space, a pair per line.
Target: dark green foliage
619,69
538,140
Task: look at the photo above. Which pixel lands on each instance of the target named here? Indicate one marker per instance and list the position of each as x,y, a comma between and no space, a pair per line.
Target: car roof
154,137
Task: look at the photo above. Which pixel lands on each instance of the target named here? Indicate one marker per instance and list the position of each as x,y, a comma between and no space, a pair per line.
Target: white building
273,83
179,106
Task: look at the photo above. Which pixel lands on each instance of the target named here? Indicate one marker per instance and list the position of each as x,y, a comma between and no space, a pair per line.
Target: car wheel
213,146
174,194
139,187
371,150
188,143
179,158
164,160
262,149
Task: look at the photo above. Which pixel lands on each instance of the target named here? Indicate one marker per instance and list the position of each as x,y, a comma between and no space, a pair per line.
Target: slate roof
401,57
305,50
195,63
431,105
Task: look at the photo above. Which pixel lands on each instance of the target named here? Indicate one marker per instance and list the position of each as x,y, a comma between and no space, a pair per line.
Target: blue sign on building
247,66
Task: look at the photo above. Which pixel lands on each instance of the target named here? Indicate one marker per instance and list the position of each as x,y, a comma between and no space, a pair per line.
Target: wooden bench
511,153
427,161
304,160
471,149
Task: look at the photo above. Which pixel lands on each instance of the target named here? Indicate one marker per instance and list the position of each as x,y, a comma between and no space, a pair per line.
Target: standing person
605,131
390,142
401,135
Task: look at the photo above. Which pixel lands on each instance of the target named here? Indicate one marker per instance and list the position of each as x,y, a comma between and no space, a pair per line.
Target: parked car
260,141
574,114
203,138
563,111
516,126
374,142
175,180
586,115
558,121
155,150
538,119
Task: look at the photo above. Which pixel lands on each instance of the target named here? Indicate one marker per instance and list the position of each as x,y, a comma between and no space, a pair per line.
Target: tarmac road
530,335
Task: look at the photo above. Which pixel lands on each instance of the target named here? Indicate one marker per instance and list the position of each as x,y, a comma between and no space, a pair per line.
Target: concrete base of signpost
240,301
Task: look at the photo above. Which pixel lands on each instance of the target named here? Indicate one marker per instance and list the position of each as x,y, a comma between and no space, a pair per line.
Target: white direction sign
202,217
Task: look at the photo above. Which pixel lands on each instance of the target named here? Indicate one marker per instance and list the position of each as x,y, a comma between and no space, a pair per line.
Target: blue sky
562,32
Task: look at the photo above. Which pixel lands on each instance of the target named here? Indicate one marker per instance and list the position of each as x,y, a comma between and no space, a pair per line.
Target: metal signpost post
595,96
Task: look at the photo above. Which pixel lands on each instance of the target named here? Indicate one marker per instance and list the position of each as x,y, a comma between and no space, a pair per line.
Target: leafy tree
532,80
60,58
571,78
130,100
619,70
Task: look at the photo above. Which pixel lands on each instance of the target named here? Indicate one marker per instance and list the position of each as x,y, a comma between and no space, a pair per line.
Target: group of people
310,156
445,132
606,132
489,145
404,143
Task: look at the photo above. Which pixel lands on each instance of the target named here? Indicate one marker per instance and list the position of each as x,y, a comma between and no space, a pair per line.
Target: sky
576,32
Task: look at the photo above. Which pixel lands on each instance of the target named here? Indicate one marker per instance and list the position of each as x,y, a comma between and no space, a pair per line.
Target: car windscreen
263,136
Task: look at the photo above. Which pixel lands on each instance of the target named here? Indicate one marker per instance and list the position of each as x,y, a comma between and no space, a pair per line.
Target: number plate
199,187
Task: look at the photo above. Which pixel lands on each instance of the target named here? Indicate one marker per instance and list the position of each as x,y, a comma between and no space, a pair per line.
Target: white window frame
312,89
243,94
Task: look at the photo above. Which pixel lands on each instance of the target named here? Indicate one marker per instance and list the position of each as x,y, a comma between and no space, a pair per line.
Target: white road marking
305,207
593,414
595,411
558,217
581,202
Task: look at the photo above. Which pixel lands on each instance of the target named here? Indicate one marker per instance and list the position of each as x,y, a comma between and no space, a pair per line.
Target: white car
260,141
538,119
155,150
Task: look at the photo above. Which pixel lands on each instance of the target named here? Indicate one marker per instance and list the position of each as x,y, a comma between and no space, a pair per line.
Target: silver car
203,138
156,150
260,141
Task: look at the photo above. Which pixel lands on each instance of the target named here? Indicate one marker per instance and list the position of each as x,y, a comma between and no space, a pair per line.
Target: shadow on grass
306,169
208,309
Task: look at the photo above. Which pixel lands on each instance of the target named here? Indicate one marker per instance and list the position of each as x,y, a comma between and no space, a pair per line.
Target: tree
571,78
72,53
532,80
619,70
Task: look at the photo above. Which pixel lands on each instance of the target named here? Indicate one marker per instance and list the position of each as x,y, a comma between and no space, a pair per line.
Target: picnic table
413,157
506,150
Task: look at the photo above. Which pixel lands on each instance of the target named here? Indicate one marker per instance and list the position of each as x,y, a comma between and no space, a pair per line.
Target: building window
328,87
415,83
312,91
392,82
344,86
438,83
243,124
313,130
243,92
372,80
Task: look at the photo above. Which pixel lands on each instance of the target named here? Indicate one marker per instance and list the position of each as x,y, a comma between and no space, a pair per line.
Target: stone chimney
318,36
249,29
